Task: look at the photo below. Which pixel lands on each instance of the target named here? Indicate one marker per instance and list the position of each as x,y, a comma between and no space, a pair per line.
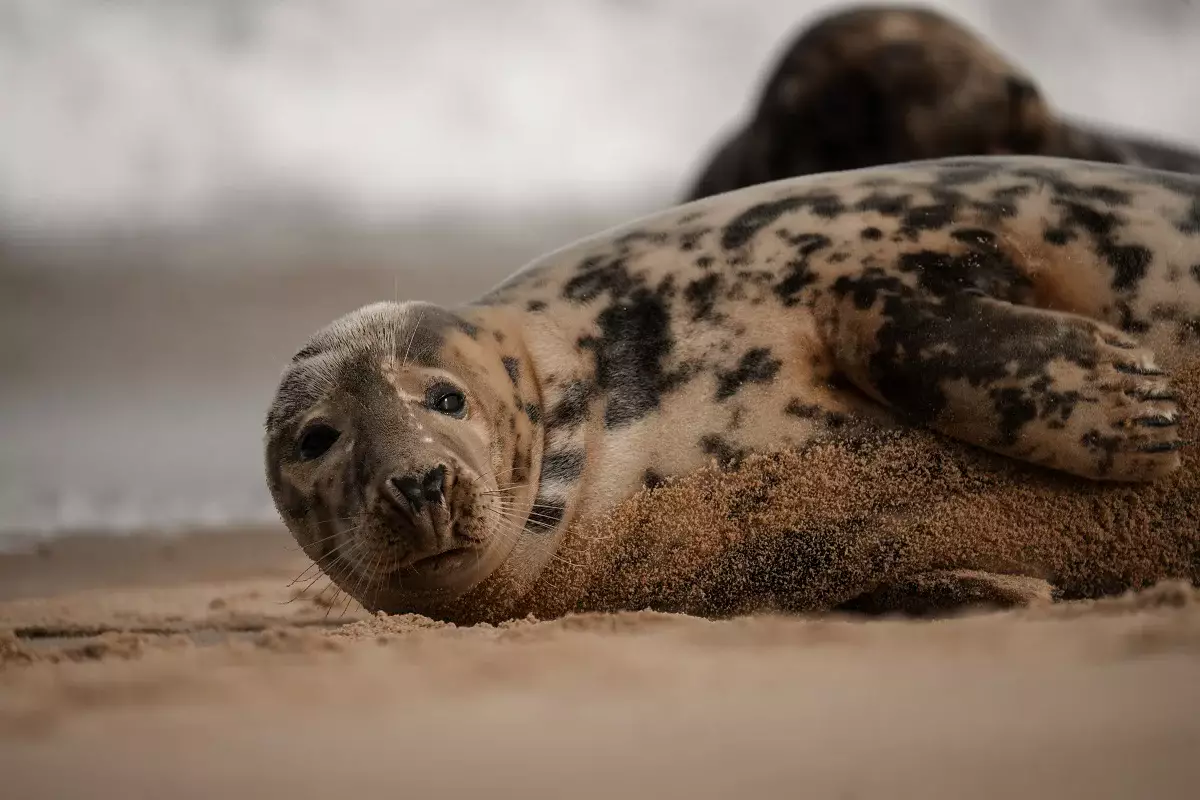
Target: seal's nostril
434,483
409,489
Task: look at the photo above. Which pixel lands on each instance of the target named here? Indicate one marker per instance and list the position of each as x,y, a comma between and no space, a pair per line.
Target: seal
886,84
426,457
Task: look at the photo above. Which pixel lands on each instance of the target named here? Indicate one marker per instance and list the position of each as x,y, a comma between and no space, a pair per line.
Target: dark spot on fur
597,276
802,410
983,269
1097,223
871,234
1130,323
563,465
742,228
756,366
702,295
932,217
704,262
976,237
1129,261
1187,187
826,205
1057,236
635,339
885,204
1190,223
718,447
572,407
833,419
513,368
746,225
656,238
466,327
1014,408
535,305
1002,204
652,480
547,514
533,412
799,273
690,240
1195,270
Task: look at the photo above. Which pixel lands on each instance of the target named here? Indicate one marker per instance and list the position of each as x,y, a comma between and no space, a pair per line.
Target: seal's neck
551,407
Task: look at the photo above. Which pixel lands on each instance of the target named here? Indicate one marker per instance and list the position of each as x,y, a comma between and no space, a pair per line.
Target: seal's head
878,85
394,456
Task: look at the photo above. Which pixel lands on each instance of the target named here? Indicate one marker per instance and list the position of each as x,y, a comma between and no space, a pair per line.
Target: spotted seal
878,85
423,455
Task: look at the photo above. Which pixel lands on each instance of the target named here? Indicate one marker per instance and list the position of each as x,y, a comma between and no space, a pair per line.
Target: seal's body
880,85
424,455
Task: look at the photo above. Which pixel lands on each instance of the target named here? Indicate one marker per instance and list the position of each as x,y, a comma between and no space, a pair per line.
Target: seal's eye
445,399
317,440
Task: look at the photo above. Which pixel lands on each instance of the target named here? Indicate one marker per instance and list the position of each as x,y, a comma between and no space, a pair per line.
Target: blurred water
187,189
124,111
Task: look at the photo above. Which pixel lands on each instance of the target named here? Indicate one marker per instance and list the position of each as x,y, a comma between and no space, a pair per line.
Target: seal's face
383,459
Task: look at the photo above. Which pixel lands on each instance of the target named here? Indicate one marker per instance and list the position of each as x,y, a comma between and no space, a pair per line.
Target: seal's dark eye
317,440
445,399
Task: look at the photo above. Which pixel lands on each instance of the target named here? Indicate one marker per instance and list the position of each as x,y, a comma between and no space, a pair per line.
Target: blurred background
188,189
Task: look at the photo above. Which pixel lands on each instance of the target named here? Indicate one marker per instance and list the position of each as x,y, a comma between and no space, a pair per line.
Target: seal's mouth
445,561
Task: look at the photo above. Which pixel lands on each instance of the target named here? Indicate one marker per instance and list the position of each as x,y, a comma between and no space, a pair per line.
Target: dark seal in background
875,85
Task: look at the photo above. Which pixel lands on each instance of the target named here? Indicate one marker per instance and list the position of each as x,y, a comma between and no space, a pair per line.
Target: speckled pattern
1007,302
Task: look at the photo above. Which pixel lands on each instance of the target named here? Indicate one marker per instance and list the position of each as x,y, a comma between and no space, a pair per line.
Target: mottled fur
881,85
1008,302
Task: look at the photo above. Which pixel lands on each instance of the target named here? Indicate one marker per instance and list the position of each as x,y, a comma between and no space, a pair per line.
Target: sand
190,668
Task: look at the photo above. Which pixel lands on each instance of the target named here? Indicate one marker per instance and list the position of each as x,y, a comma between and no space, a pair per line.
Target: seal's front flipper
1047,387
946,591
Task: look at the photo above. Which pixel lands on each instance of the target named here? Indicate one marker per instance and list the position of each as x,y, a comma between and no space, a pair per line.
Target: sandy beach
190,668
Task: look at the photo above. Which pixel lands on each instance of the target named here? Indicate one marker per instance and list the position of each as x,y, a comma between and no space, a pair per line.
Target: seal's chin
451,559
417,569
434,581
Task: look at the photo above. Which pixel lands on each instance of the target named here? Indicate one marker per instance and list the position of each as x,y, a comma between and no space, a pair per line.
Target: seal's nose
413,491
